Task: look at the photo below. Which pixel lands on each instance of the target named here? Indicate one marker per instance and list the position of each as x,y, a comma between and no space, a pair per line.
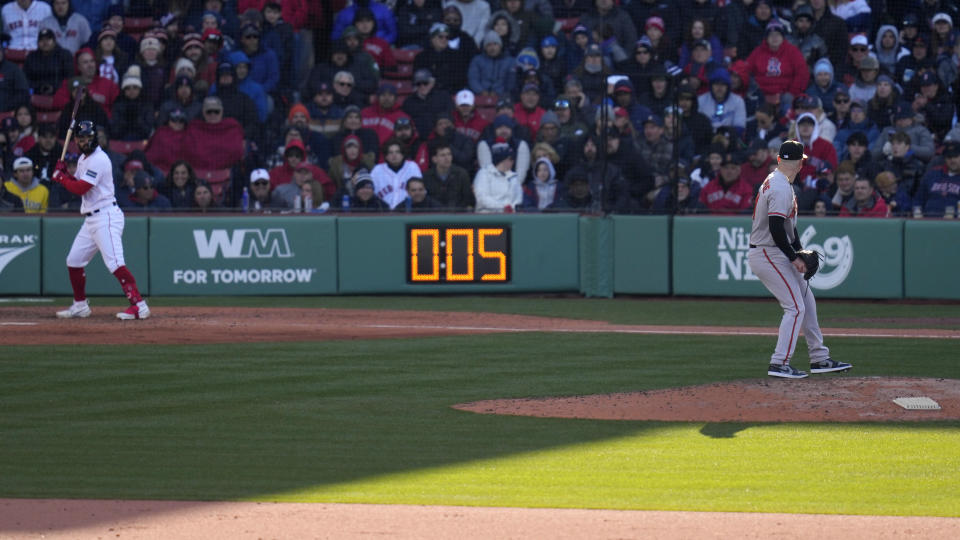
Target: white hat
259,174
859,39
131,80
942,17
22,162
465,97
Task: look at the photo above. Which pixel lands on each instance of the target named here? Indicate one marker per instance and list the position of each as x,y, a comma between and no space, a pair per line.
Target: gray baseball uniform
773,267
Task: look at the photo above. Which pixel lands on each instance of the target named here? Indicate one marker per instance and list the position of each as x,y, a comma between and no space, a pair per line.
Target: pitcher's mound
819,398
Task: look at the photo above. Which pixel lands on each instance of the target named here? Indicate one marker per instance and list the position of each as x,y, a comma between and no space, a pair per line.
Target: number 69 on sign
458,254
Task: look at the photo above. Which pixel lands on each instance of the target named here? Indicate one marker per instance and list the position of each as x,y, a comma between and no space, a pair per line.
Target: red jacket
165,147
531,119
381,120
821,150
879,209
213,146
732,200
472,128
779,72
755,175
102,90
381,52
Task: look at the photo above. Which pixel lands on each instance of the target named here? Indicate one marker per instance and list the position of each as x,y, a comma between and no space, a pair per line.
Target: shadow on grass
226,422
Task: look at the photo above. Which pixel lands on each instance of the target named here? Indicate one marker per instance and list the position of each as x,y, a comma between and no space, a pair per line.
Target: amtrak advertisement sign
20,255
255,256
859,257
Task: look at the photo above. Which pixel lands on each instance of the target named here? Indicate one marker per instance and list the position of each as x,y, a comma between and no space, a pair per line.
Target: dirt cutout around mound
820,398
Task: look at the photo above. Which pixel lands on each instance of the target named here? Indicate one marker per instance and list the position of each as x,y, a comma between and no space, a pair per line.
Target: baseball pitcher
773,257
102,229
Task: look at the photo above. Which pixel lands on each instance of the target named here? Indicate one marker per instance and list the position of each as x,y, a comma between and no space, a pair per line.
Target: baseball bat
73,120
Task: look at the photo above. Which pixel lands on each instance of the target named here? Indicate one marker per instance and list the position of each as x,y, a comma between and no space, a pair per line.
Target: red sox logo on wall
773,67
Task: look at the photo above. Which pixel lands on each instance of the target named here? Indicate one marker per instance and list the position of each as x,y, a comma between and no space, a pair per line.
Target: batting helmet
86,128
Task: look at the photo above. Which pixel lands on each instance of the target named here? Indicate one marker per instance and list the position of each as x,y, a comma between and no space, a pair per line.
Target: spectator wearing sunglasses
426,101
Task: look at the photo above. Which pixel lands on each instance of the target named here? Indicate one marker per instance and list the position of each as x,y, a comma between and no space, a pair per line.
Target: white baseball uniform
777,273
102,229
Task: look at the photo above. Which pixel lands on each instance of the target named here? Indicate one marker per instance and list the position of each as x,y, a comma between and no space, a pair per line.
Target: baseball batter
773,258
102,229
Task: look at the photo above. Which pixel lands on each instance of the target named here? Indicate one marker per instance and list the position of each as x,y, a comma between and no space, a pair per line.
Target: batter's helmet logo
242,244
837,262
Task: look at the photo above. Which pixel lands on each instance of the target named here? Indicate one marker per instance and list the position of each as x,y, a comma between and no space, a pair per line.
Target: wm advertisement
863,258
261,256
20,255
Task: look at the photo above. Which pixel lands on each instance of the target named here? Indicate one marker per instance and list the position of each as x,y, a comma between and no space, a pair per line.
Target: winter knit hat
500,152
492,37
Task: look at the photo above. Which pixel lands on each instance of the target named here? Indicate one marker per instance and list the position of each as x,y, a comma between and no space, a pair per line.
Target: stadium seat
567,25
405,56
136,26
487,113
5,114
404,87
125,147
17,56
219,180
402,71
42,103
485,101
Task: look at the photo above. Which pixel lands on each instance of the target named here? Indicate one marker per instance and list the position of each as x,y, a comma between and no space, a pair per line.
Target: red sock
129,284
78,280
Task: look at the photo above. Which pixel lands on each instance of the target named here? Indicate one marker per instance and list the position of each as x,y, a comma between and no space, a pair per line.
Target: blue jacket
249,87
938,190
492,74
868,128
386,22
264,69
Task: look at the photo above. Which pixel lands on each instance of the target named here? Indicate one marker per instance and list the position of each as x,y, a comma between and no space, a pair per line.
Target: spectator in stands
898,200
921,140
449,65
386,22
89,109
724,107
111,61
843,188
179,185
464,149
406,133
264,67
152,70
540,191
728,193
935,103
278,36
60,198
858,154
71,29
34,195
145,197
919,60
675,132
418,198
426,101
47,66
823,85
592,74
606,13
859,121
206,67
528,112
700,66
380,116
902,162
212,39
260,195
213,142
552,64
293,195
943,36
778,86
203,197
352,157
183,98
888,49
641,66
101,91
656,151
352,124
132,115
687,197
609,190
832,29
294,158
491,73
866,202
804,37
466,119
504,132
21,19
756,167
697,124
364,198
321,106
45,153
841,108
811,104
708,165
865,85
236,104
14,86
415,19
390,176
496,186
246,85
570,125
814,146
448,183
113,19
26,126
475,16
345,93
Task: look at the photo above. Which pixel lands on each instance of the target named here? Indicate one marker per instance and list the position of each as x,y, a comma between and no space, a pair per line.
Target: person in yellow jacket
25,185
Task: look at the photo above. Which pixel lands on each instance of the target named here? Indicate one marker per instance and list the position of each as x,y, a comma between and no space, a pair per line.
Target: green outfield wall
467,253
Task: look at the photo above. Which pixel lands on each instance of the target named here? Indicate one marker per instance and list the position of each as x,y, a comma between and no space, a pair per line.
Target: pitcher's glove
811,259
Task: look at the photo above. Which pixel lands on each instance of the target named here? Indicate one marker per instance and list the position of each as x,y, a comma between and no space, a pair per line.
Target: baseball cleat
79,310
785,371
139,311
829,365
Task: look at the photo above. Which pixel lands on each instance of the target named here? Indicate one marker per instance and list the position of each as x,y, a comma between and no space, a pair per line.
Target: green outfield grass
370,421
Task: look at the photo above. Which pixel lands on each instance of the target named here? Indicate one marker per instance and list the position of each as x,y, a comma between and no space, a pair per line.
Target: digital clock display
458,254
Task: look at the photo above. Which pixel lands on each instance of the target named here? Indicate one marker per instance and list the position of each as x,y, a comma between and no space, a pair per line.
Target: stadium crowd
629,106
